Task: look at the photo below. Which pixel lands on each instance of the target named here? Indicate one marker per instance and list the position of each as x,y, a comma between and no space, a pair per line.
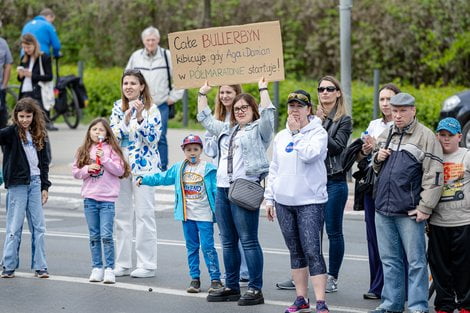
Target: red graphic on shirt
453,181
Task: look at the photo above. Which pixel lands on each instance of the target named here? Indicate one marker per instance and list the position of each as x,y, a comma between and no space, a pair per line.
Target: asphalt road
68,289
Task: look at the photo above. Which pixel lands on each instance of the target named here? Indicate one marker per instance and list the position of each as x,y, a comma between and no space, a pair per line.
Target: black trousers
449,260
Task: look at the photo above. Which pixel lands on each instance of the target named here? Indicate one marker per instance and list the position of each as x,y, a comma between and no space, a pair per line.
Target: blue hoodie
45,34
174,175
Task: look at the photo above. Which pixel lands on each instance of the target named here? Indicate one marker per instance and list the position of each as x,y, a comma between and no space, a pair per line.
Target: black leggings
301,227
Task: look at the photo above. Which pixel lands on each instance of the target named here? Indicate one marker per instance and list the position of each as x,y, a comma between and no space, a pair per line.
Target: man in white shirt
154,62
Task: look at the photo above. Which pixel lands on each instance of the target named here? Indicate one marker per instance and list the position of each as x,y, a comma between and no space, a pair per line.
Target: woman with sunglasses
332,111
222,111
299,152
136,123
242,146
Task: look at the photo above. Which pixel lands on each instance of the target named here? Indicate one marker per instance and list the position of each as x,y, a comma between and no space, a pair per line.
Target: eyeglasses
298,96
329,89
241,109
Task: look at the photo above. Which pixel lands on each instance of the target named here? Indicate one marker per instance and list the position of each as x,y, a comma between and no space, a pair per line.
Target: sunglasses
132,72
329,89
240,109
298,96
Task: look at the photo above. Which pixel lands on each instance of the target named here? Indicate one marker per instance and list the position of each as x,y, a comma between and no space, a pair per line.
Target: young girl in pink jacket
100,163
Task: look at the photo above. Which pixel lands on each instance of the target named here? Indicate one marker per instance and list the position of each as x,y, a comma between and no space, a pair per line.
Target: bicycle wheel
73,114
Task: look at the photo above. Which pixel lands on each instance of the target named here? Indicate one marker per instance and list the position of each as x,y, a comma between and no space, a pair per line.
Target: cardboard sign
227,55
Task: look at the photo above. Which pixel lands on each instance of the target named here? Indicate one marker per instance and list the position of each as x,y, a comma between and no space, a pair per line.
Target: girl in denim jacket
252,132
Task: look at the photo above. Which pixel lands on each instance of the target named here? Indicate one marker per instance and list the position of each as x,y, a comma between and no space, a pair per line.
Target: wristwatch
295,132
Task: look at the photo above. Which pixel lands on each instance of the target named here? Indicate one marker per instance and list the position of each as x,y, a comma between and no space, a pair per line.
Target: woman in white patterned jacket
136,123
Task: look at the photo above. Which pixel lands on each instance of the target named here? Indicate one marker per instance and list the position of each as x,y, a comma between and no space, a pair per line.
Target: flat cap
402,99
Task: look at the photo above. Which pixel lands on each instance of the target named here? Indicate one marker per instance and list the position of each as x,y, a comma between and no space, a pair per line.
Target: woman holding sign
242,144
222,112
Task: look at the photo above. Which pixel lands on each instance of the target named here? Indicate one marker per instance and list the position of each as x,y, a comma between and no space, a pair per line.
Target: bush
103,86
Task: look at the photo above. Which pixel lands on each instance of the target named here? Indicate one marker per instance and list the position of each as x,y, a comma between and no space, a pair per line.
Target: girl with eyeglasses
245,138
222,112
136,123
338,124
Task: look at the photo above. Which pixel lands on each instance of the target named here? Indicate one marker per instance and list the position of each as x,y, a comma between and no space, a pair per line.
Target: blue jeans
334,210
400,235
100,218
25,201
162,143
197,233
236,223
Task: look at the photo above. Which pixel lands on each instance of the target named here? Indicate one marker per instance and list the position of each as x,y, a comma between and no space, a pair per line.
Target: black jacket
338,136
37,77
15,163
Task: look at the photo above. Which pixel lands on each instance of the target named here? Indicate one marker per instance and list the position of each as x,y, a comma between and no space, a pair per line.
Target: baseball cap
300,96
450,124
191,139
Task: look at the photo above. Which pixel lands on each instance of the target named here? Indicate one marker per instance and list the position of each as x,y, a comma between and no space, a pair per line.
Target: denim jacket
254,142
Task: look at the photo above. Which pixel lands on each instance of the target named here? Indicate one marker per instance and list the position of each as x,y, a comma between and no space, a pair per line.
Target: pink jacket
105,185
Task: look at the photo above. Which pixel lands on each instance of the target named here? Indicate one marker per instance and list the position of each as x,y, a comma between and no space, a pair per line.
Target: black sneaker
215,284
251,297
41,273
8,274
223,294
194,286
286,285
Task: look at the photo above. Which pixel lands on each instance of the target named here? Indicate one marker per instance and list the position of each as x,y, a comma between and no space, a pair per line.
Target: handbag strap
230,154
41,69
167,69
230,158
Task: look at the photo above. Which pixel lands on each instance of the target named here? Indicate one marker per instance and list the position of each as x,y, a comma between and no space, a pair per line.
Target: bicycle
68,103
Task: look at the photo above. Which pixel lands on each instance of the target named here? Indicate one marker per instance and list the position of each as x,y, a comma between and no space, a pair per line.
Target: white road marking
167,291
181,243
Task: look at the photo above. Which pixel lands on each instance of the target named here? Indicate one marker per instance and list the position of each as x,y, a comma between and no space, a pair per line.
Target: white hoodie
297,173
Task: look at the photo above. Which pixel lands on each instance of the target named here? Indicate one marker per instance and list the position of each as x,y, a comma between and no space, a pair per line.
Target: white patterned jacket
141,139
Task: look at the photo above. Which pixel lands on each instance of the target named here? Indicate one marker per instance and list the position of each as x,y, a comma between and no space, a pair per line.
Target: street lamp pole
345,46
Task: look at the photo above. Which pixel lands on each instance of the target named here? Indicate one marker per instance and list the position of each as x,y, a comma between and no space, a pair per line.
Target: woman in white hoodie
296,193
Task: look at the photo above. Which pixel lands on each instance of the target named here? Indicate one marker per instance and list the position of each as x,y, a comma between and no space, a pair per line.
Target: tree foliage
413,41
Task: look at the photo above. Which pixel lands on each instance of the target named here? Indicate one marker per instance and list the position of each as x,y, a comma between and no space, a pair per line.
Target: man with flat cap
409,183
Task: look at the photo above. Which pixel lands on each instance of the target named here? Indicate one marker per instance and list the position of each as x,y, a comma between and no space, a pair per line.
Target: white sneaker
121,271
331,284
142,273
109,277
96,275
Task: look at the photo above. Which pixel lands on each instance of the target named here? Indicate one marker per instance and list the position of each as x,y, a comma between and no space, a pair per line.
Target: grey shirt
5,57
453,209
